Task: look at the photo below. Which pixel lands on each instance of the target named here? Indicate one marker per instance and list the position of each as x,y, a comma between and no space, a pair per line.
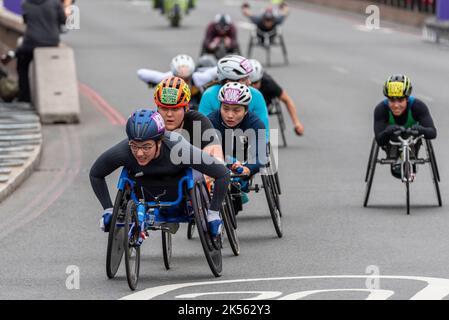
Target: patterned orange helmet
172,92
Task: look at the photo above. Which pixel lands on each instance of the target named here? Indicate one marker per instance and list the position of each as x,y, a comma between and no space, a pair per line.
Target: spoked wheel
166,248
371,169
274,210
407,174
435,172
116,235
211,247
132,249
227,213
190,229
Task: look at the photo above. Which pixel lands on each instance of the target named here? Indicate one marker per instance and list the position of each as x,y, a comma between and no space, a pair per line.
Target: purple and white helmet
235,93
233,67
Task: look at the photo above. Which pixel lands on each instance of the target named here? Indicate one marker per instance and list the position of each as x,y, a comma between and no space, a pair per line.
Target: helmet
207,61
182,66
172,92
268,14
235,93
257,73
233,67
145,124
222,22
398,86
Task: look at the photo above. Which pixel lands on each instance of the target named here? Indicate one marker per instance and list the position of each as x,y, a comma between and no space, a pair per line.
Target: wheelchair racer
148,150
400,110
235,124
234,68
268,20
222,28
182,66
172,97
270,90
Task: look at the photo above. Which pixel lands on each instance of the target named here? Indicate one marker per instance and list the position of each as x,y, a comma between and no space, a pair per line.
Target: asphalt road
335,75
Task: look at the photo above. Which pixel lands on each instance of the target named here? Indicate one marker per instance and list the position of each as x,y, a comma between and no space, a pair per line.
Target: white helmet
257,72
233,67
182,66
235,93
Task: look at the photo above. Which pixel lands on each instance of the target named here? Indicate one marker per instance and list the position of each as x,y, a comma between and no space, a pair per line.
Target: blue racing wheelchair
184,199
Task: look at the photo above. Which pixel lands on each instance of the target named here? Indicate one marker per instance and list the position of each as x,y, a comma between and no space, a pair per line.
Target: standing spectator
43,19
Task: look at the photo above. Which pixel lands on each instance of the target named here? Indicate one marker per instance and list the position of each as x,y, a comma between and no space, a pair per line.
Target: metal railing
424,6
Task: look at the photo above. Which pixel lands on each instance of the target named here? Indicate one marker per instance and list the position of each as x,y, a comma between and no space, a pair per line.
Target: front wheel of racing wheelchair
406,171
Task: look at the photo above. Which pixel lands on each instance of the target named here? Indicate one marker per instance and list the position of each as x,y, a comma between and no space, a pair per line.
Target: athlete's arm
422,115
152,76
202,78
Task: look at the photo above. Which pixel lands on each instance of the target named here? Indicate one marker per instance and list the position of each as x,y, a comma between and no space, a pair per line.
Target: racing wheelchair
266,40
186,199
407,144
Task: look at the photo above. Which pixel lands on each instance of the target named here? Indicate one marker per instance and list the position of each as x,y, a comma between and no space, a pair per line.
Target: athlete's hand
299,129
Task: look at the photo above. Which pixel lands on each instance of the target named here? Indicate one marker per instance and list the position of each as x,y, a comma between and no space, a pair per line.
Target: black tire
231,210
433,159
373,146
407,174
116,236
174,22
274,169
190,229
274,210
231,232
211,247
434,169
372,170
275,193
132,251
281,121
166,248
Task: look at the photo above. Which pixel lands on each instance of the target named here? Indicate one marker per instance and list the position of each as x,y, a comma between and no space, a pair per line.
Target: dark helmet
145,124
398,86
268,14
222,22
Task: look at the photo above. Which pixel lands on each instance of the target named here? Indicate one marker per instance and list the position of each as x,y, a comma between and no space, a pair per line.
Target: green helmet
398,86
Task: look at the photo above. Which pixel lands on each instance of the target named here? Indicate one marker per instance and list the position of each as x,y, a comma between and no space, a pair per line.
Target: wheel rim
132,251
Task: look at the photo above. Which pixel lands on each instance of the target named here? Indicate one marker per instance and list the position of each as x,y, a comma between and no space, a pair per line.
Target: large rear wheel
116,236
274,210
132,248
211,246
167,248
227,212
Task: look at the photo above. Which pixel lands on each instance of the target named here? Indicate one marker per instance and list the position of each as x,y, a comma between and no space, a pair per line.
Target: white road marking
340,69
436,289
374,294
262,295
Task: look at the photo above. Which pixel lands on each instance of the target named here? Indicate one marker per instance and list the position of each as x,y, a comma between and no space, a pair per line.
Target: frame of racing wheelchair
275,108
406,165
278,40
127,226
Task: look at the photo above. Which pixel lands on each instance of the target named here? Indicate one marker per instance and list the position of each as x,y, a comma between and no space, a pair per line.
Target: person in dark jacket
43,19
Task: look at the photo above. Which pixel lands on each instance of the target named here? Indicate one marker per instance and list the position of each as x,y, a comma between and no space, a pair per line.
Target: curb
27,145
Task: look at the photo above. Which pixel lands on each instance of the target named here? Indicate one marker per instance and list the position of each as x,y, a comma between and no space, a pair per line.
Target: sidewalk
20,145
